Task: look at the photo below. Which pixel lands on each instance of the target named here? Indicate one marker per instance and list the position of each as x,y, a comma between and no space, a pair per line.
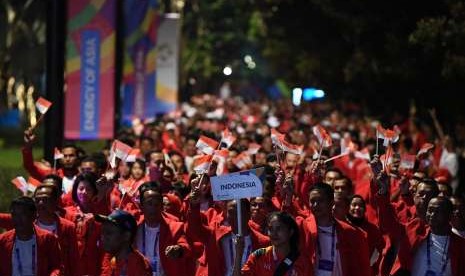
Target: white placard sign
237,185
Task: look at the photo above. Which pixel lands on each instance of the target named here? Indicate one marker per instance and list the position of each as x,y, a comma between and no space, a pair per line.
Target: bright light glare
227,71
251,65
319,93
296,96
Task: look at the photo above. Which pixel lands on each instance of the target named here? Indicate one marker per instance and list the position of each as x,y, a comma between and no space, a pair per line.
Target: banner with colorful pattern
90,69
139,73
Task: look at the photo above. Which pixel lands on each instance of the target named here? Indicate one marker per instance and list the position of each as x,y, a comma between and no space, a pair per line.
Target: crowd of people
349,202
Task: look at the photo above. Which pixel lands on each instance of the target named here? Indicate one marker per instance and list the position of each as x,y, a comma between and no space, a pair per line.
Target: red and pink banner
90,67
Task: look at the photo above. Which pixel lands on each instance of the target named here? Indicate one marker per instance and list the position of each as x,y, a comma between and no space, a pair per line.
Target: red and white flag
26,186
227,137
207,145
120,150
133,155
220,157
322,135
57,154
32,184
407,161
383,160
243,161
279,140
276,137
43,105
363,154
425,148
20,184
201,163
347,145
389,136
253,148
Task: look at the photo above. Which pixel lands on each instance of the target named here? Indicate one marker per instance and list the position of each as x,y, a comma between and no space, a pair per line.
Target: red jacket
34,170
172,233
417,232
212,261
66,237
88,241
375,241
135,265
48,253
351,244
261,262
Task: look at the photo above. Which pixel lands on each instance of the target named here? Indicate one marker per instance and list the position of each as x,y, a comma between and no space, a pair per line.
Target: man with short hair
437,251
458,216
336,247
27,249
69,162
159,238
219,237
118,234
46,200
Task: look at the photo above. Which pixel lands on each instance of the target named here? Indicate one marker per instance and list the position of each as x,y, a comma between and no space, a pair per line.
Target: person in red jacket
438,251
356,217
69,162
283,257
121,258
88,231
335,247
160,239
46,200
219,235
27,249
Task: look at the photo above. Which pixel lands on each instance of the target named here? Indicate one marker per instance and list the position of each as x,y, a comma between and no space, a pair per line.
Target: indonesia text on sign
243,184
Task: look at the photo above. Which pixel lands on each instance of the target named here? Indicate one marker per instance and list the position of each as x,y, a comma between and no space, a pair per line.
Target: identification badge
154,263
430,273
326,265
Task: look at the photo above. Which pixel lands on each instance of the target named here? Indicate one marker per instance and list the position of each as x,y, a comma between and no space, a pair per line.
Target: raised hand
376,165
29,137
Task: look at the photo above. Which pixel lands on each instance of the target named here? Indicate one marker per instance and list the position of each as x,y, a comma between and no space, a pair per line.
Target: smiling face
85,193
357,208
137,171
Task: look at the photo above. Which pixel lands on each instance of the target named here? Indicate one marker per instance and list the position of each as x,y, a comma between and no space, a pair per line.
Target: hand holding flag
425,148
227,137
120,150
278,140
322,136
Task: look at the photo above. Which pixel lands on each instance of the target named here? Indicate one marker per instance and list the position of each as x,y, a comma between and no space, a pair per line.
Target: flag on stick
43,105
207,145
322,135
120,150
227,137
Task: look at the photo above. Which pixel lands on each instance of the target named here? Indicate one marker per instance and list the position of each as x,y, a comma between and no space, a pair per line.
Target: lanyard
18,260
275,258
428,254
333,240
155,246
231,251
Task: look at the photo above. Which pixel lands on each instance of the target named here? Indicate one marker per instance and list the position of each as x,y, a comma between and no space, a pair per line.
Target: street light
227,70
